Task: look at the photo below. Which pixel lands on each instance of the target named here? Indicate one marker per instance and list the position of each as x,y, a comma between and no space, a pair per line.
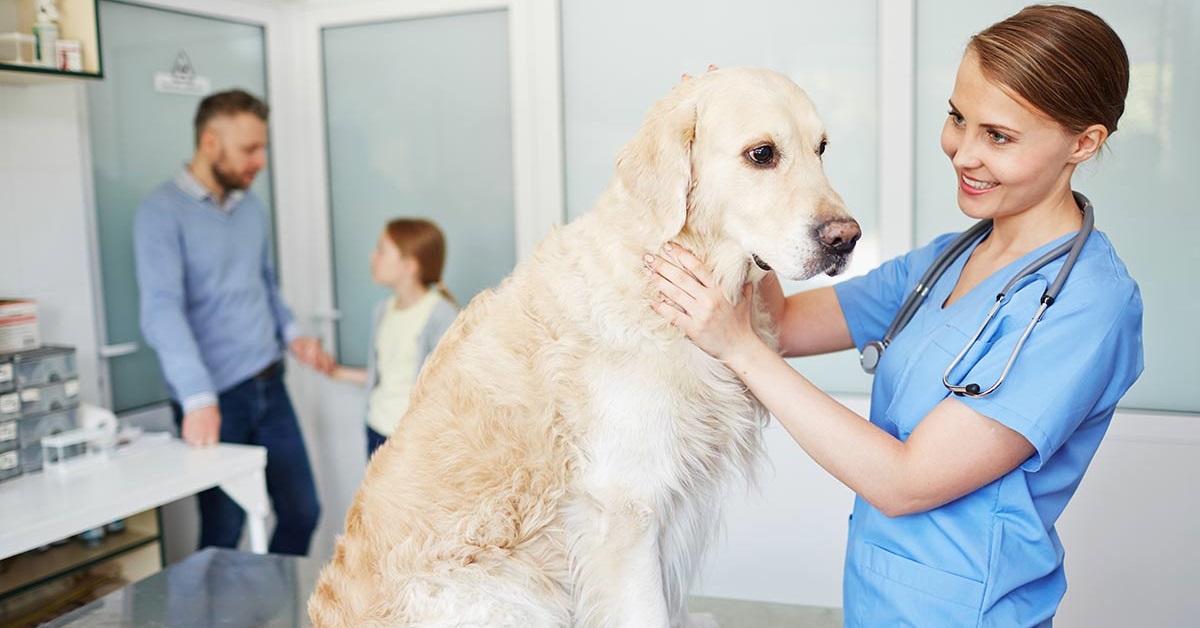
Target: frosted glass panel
141,138
621,56
419,124
1142,185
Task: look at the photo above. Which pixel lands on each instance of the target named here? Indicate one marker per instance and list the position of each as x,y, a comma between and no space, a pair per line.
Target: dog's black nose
840,235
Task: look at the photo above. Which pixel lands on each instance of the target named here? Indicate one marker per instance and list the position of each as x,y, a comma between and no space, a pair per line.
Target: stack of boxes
39,396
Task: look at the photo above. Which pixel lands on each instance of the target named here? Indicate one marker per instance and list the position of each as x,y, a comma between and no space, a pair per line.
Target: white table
40,508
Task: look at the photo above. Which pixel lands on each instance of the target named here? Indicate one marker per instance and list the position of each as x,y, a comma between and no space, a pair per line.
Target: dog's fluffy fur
565,451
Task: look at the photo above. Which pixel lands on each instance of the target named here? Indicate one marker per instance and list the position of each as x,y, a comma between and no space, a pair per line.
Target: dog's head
732,158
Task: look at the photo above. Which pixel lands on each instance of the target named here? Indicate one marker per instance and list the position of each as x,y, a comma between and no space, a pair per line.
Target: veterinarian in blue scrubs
958,495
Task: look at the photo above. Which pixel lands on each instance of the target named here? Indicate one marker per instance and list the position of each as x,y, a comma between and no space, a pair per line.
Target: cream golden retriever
564,456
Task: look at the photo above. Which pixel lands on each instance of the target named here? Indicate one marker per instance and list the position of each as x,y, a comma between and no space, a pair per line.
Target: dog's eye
762,155
821,148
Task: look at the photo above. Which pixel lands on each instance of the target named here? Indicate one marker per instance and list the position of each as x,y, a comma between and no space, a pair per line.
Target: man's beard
227,181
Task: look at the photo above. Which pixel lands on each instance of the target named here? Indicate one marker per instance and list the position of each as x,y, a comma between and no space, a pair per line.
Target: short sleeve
1078,361
870,302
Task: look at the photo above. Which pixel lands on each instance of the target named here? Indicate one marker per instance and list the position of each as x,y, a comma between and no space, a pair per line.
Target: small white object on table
41,508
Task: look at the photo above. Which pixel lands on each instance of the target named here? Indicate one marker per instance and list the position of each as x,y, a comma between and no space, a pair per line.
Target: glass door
159,64
419,124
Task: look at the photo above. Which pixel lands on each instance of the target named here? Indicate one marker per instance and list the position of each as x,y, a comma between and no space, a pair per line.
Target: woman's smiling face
1008,156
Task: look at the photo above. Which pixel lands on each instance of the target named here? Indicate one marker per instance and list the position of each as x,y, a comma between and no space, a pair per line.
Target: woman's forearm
812,323
863,457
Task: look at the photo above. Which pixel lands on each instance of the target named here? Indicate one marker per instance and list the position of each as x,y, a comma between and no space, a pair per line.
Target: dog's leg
617,569
682,540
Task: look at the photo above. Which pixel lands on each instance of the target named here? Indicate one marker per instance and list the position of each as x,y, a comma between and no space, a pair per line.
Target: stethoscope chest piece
871,353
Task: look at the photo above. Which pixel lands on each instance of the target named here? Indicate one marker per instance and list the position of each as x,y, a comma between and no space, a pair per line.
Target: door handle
326,320
114,351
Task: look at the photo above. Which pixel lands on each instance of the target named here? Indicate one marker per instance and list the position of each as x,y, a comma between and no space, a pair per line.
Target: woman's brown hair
1066,61
423,240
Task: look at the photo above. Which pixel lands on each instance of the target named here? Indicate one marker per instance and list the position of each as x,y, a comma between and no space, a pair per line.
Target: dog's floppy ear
655,168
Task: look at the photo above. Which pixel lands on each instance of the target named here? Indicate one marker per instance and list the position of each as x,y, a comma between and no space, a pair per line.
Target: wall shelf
78,21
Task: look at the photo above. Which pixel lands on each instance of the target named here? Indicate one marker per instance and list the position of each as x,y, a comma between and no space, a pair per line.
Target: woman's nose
965,152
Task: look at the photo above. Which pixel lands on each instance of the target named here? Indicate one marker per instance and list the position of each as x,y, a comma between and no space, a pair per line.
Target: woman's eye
821,148
957,117
997,137
762,155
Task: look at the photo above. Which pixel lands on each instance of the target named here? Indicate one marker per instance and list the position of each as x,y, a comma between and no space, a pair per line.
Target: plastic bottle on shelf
45,30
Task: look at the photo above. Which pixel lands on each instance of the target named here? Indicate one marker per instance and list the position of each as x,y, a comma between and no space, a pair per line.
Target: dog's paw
702,620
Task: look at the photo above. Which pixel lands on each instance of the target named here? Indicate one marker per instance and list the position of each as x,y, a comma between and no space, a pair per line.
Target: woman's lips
975,187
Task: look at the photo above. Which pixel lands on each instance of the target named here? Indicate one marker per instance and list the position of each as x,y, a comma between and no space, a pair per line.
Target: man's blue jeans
258,411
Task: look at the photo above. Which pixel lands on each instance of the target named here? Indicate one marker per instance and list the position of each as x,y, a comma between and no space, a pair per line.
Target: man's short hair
228,103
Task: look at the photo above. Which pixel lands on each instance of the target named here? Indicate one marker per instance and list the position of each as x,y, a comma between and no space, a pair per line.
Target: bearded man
211,309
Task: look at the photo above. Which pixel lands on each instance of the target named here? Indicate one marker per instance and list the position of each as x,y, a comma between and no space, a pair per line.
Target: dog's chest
659,423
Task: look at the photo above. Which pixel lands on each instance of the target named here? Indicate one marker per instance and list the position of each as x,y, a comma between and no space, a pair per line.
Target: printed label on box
10,404
71,387
8,431
6,372
31,394
9,460
18,325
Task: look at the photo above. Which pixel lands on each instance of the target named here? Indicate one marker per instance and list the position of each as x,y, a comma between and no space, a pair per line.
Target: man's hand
202,427
311,354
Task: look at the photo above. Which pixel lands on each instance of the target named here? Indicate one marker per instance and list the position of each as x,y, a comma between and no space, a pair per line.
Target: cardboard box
18,325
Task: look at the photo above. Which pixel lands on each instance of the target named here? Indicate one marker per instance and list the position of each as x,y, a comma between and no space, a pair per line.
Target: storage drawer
32,429
10,464
49,398
44,365
9,435
7,376
30,458
10,405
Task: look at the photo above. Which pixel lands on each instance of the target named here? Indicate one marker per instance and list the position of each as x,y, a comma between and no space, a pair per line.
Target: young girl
406,326
960,481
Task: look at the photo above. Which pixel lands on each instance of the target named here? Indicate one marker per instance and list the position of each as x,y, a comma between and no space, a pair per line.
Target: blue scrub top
990,558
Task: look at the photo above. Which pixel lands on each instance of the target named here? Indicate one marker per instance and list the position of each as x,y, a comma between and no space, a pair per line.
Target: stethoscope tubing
916,298
939,267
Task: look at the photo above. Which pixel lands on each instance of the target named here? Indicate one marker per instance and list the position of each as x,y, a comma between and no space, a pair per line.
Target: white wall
1132,556
45,251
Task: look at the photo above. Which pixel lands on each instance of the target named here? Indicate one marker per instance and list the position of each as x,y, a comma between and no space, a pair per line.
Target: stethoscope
873,351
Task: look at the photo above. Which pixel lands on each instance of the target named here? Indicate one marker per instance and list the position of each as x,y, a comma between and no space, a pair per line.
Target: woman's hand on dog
690,301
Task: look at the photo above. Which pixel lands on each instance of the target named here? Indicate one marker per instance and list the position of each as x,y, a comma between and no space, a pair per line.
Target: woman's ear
1088,143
